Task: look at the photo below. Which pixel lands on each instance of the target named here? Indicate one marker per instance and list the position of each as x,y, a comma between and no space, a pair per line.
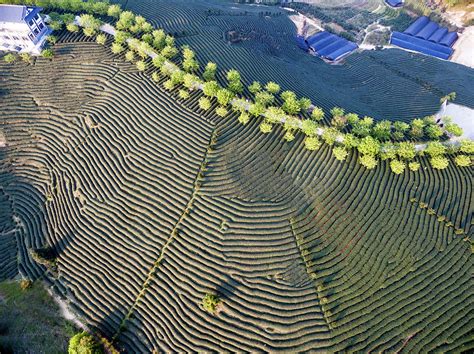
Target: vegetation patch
30,320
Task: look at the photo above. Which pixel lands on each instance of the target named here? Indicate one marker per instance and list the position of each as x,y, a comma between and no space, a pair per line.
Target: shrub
397,166
204,103
414,166
340,153
235,86
434,131
439,162
169,52
56,25
265,127
337,112
210,71
417,126
382,130
272,87
89,32
72,27
388,151
47,53
114,11
369,146
26,58
350,141
155,77
210,89
435,149
89,21
368,161
453,129
317,114
330,136
244,118
406,150
25,284
141,65
312,143
117,48
363,127
183,94
224,97
83,343
255,87
125,21
168,85
467,146
463,161
352,118
52,39
264,98
305,103
101,38
210,302
256,109
221,111
400,129
289,136
9,58
291,104
309,127
130,56
121,37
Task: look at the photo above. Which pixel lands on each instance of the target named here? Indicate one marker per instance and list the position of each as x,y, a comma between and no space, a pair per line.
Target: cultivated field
386,84
150,204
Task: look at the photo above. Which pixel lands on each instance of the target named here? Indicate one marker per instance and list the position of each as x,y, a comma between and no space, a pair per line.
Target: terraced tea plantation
149,204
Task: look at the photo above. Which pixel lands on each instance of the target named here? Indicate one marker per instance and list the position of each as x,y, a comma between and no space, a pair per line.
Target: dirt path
464,48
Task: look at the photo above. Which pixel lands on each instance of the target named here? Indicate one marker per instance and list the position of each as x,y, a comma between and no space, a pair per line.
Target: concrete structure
22,29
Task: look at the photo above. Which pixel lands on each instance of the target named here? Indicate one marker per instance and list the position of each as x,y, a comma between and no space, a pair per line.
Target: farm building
426,37
395,3
22,29
329,46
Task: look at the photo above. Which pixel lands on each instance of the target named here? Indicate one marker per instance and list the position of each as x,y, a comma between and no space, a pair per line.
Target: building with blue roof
330,46
395,3
22,29
426,37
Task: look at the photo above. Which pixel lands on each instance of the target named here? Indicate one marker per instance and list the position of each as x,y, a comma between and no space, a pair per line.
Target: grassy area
30,321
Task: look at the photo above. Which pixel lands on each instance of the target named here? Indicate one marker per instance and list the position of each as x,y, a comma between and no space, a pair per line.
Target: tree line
180,72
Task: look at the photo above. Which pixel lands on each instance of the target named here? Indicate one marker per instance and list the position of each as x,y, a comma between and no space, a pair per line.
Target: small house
22,29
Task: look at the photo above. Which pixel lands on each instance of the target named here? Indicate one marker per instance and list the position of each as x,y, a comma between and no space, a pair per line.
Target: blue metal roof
420,45
427,30
426,37
330,46
17,13
417,26
395,3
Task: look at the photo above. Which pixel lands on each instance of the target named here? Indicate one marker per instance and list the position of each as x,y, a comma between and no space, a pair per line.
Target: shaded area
30,321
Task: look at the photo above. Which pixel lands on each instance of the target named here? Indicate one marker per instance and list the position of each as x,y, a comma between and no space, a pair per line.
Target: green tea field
150,203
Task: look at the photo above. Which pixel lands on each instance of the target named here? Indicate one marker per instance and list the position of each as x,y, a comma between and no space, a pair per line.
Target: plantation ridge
181,176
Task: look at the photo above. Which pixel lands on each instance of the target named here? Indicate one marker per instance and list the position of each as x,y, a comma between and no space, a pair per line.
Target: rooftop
18,13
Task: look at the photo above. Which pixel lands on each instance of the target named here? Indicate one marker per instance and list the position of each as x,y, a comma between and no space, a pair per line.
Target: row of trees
138,40
369,138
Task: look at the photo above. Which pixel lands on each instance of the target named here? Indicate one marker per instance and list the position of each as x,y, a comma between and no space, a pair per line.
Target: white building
22,29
